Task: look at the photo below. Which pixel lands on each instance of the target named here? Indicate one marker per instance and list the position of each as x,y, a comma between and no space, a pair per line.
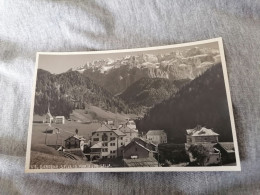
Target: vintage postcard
162,108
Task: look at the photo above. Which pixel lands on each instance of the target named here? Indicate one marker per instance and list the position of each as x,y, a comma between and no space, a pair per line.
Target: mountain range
67,91
174,91
116,75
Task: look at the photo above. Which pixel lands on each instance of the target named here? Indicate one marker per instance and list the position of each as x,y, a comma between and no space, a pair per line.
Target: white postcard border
236,167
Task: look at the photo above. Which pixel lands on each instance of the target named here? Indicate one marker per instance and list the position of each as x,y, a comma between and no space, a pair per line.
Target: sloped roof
155,132
126,129
49,115
97,145
144,140
142,146
60,117
103,128
49,129
119,133
141,162
139,144
228,146
79,137
203,131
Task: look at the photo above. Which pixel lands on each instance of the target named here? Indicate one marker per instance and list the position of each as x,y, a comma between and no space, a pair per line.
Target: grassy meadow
43,154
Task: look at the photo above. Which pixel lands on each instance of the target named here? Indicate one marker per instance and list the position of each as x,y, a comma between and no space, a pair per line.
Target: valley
147,88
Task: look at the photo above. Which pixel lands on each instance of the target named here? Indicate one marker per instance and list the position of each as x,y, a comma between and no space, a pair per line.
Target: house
141,162
75,141
106,143
49,130
139,148
156,136
129,133
131,124
200,135
59,119
208,139
227,152
146,143
49,118
110,122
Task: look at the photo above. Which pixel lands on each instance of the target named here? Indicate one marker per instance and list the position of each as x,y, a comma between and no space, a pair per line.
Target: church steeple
48,112
49,117
48,109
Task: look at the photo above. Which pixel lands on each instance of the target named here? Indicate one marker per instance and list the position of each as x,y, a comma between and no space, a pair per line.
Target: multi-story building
129,133
156,136
106,143
200,135
208,139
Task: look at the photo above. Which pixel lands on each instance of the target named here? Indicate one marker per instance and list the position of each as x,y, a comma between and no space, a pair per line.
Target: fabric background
28,26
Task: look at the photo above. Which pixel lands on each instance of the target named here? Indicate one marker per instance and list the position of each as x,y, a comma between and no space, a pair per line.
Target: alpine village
142,110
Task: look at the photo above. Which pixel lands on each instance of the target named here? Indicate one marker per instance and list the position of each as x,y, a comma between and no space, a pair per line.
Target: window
95,139
104,144
110,133
104,137
112,138
136,149
112,144
97,134
121,138
104,150
112,151
121,143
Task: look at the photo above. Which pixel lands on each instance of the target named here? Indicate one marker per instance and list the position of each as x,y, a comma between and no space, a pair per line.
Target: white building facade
60,120
106,143
156,136
129,133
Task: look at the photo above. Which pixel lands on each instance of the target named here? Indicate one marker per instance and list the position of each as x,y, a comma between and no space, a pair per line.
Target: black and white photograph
164,108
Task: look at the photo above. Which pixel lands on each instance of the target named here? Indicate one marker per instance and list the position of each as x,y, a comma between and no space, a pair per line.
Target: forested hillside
201,102
150,91
60,91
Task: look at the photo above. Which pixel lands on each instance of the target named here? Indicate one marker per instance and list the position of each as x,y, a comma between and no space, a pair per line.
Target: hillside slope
60,91
201,102
150,91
